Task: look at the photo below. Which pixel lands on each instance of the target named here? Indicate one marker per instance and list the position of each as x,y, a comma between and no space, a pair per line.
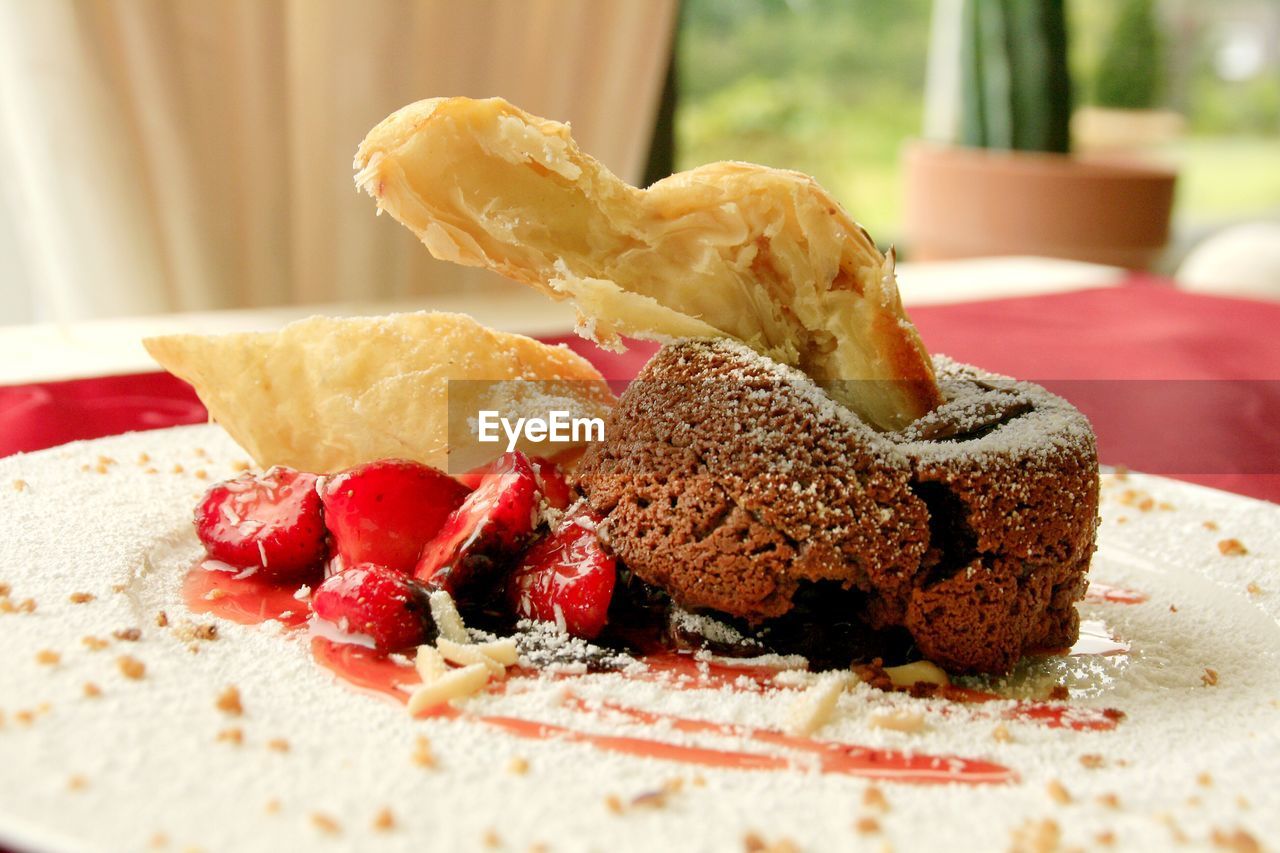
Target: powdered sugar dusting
1196,754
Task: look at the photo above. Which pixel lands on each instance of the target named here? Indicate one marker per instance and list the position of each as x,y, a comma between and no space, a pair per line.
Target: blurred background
172,155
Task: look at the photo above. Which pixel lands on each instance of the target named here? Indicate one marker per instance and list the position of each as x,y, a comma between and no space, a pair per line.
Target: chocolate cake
738,486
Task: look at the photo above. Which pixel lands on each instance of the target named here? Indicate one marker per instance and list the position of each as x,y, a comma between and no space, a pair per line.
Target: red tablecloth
1176,383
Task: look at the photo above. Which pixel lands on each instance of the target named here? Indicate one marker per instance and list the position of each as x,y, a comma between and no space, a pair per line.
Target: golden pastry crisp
727,249
326,393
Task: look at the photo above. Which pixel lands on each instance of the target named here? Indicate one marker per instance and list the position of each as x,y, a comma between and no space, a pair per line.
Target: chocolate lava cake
739,489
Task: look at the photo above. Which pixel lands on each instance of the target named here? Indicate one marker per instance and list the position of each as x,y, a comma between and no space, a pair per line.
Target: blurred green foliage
834,88
1131,74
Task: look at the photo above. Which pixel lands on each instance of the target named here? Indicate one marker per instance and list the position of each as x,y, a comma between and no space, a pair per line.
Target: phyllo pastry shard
327,393
724,250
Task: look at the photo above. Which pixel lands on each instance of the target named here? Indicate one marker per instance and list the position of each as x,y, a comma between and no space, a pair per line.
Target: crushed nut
1106,838
1110,800
92,690
228,701
5,589
1204,780
1236,840
128,635
867,825
1058,792
232,735
94,644
178,469
48,657
1037,836
201,474
19,485
325,824
272,806
1253,589
1000,734
422,754
144,458
131,667
491,839
240,465
384,821
278,744
874,798
613,803
162,619
1093,760
1210,525
1232,548
1210,677
518,766
752,842
77,783
81,597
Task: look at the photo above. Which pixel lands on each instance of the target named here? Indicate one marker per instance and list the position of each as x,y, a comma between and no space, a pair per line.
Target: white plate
1190,759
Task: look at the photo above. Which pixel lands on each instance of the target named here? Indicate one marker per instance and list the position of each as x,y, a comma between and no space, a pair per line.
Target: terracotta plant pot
968,202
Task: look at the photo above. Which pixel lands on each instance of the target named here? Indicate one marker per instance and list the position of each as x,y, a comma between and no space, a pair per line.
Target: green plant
1016,89
1130,75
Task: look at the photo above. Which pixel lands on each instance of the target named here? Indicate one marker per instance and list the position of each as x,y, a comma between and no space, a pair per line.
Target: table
1178,384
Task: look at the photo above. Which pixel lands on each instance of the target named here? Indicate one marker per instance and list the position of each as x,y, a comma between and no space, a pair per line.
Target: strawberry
487,531
552,482
384,512
566,578
384,605
272,520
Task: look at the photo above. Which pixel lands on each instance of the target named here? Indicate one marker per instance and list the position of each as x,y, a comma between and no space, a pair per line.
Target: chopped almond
874,798
1110,800
92,690
48,657
613,803
492,839
518,766
228,701
1210,677
1232,548
234,736
325,824
278,744
162,619
128,635
19,485
1204,780
1236,840
81,597
422,754
1253,589
867,825
5,589
1058,792
94,644
1092,760
131,667
384,821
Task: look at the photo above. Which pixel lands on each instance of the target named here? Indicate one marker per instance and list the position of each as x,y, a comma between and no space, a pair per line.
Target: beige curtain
189,154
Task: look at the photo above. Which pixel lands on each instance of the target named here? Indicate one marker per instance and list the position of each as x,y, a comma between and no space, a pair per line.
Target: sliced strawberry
487,532
566,578
271,520
384,605
384,512
552,482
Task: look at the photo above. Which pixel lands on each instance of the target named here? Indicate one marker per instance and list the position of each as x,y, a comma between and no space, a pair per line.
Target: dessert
549,663
732,483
